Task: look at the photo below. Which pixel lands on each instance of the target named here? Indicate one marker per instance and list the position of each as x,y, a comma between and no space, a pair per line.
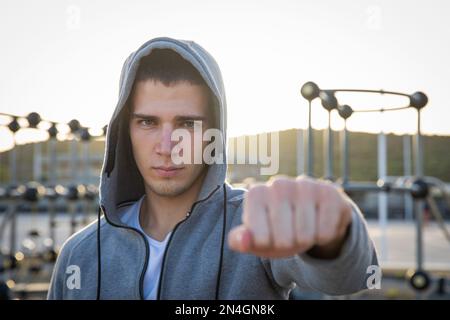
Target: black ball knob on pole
85,136
33,191
419,189
33,119
14,125
420,280
328,99
345,111
74,125
52,131
418,100
310,91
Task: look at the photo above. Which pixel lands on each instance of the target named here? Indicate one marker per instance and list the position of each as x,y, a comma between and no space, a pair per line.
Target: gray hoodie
110,258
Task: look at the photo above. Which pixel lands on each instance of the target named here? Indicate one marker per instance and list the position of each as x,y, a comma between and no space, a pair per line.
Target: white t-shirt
157,248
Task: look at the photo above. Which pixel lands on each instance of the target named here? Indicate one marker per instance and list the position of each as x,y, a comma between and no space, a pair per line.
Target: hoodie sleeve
57,285
345,274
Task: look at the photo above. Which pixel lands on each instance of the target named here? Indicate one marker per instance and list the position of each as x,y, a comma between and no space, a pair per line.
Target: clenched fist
291,216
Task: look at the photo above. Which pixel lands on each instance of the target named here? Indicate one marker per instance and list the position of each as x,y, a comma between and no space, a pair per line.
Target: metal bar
382,196
373,187
310,163
408,202
370,91
419,206
328,156
345,154
13,163
381,109
300,152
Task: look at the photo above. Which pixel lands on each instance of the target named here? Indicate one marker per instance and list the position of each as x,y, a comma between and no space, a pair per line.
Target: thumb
240,239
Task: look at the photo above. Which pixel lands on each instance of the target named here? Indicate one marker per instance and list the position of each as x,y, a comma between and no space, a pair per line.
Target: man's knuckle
305,239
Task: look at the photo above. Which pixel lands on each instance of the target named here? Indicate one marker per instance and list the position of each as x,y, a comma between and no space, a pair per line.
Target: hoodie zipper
147,251
189,213
147,248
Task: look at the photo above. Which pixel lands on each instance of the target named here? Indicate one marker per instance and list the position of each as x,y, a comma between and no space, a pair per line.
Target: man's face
156,111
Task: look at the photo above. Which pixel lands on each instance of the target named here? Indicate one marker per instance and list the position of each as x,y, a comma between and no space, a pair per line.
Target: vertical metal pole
382,196
13,182
72,213
419,207
13,162
86,179
75,180
329,150
345,154
310,164
3,169
86,162
300,152
37,161
74,160
419,154
52,167
419,241
408,203
13,228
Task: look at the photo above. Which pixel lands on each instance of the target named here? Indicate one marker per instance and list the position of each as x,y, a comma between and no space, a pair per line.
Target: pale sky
63,58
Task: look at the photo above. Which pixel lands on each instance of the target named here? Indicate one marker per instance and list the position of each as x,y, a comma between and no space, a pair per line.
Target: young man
179,231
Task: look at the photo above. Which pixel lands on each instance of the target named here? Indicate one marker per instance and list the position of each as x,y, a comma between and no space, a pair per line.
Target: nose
164,147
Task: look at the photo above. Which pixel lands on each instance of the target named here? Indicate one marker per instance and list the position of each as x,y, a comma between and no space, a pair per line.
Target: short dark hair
170,68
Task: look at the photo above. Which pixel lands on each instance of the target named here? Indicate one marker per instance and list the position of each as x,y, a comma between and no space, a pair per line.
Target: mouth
169,171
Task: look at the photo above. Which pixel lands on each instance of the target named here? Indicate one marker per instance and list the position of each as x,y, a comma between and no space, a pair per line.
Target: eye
146,122
190,124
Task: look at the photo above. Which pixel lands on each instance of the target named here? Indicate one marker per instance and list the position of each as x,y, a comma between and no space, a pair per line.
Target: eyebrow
177,118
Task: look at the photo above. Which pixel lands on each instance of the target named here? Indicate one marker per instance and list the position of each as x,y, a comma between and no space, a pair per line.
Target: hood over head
120,178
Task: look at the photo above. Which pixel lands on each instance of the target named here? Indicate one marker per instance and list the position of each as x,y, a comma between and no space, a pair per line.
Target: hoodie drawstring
99,256
224,225
222,243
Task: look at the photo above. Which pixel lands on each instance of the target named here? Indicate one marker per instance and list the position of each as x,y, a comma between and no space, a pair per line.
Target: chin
168,188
